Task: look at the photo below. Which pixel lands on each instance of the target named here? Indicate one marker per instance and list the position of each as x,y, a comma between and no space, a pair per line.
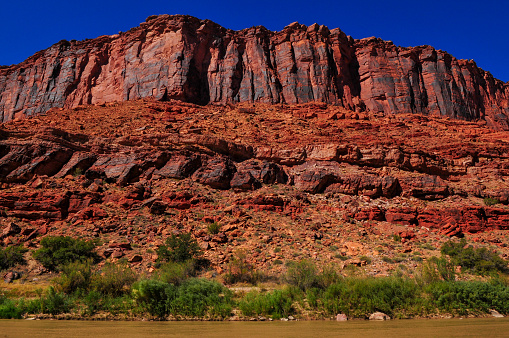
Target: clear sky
466,29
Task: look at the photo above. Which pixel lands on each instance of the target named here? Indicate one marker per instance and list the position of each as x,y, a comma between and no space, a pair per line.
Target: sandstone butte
303,143
198,61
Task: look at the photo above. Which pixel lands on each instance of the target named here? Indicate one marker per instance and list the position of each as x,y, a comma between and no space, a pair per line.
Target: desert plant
60,250
200,297
479,261
240,270
276,304
489,201
214,228
177,272
154,296
179,248
12,256
435,269
193,298
469,297
358,297
9,309
305,275
75,276
54,302
113,279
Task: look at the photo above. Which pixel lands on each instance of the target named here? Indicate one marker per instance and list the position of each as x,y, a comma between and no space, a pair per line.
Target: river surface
485,327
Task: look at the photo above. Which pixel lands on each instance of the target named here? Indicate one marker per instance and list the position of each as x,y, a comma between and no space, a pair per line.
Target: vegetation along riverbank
463,281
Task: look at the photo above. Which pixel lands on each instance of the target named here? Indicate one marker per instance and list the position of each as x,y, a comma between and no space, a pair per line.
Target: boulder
379,316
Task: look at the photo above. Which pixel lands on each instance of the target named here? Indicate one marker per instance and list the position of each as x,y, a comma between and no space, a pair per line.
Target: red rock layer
181,57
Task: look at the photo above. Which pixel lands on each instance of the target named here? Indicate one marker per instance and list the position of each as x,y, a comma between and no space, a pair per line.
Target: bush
113,280
9,310
176,273
214,228
489,201
53,302
194,298
75,276
479,261
179,249
359,297
241,271
12,256
434,270
154,295
59,250
365,259
305,275
276,304
201,297
470,297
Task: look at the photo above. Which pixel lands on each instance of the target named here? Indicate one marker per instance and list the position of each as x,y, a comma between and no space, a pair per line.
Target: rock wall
198,61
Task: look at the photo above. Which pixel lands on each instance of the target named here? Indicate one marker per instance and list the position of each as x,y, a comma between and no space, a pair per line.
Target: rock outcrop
312,178
198,61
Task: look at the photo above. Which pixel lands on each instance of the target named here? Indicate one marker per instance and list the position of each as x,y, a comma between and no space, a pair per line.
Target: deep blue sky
467,29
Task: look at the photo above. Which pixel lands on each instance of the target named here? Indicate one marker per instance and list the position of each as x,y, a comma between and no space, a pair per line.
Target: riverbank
464,281
196,299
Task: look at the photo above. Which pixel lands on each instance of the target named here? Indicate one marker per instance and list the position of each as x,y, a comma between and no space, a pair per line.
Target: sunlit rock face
198,61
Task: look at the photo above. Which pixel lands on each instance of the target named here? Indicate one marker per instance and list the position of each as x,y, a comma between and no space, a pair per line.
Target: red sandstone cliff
198,61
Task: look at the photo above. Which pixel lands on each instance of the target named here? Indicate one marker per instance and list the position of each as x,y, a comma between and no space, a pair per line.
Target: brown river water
485,327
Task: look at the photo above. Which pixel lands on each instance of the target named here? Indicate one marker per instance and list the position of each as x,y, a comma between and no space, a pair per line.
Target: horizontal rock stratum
198,61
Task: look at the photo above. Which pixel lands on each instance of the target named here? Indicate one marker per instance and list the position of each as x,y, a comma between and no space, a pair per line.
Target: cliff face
198,61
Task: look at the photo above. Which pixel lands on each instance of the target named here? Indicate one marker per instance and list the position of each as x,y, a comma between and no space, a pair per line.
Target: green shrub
489,201
276,304
154,296
479,261
93,302
434,270
193,298
54,302
9,310
469,297
179,248
359,297
59,250
305,275
176,273
387,259
113,279
75,276
214,228
201,297
12,256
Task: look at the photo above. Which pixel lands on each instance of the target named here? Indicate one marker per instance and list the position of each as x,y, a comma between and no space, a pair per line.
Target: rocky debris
11,229
496,314
10,276
341,317
179,166
217,173
315,177
379,316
